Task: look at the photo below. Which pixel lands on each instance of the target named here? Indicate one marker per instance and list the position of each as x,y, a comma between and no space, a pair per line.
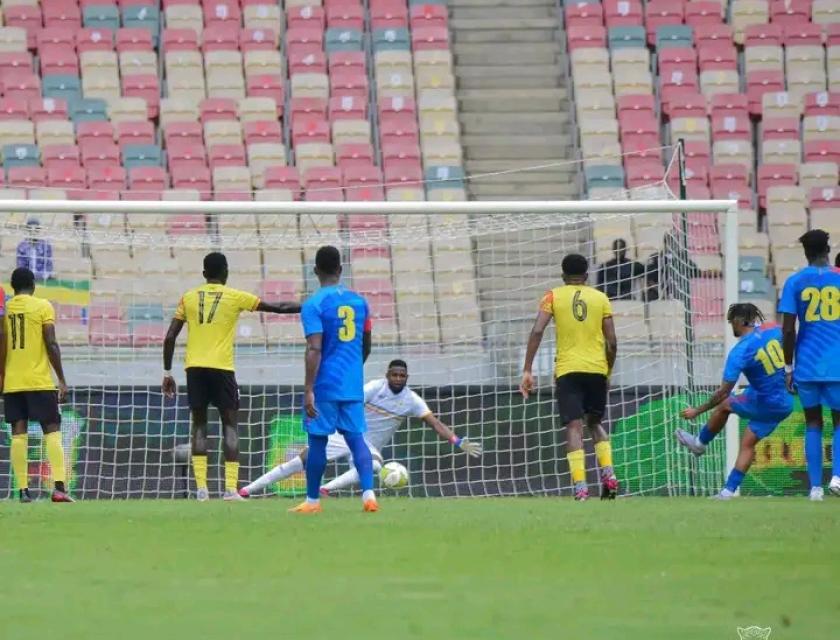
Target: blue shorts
335,415
815,394
762,419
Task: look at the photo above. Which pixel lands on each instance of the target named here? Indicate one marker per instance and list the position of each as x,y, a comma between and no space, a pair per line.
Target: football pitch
524,568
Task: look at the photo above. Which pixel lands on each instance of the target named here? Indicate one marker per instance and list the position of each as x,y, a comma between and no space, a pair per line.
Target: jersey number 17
217,298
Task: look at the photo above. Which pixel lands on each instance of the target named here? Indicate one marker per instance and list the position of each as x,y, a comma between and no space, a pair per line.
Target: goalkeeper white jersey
385,411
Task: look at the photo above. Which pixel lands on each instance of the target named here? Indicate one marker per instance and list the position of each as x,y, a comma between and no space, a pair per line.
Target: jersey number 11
18,329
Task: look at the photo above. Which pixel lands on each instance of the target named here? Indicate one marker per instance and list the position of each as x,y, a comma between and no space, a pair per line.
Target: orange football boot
307,507
370,506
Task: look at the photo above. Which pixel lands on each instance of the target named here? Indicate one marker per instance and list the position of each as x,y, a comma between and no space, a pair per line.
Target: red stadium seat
94,40
832,34
257,40
323,184
94,131
400,155
63,35
677,59
698,153
634,123
688,104
379,292
104,310
56,156
731,127
718,57
700,12
822,151
147,179
729,104
145,334
824,198
307,108
27,177
645,146
676,84
310,129
12,62
770,175
217,109
279,290
62,13
636,103
27,17
712,34
399,128
623,13
48,109
109,333
141,195
350,15
780,129
404,174
183,132
283,178
347,108
643,173
360,175
23,86
586,37
761,82
426,38
146,87
580,15
744,196
388,14
58,60
262,131
107,179
763,35
308,63
304,40
266,86
659,13
219,12
67,178
14,109
134,39
804,33
179,40
728,176
227,155
349,83
354,155
396,105
306,17
347,61
790,12
99,153
822,103
222,36
186,154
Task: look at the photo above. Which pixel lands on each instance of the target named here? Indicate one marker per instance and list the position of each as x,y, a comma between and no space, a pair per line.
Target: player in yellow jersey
27,350
211,312
586,350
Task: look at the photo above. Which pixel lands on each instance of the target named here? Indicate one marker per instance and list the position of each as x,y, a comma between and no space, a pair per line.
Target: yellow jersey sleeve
180,311
47,313
547,302
607,307
247,301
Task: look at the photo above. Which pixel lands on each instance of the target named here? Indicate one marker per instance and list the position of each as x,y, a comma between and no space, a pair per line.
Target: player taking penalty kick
336,323
388,402
758,355
812,358
27,350
211,312
586,351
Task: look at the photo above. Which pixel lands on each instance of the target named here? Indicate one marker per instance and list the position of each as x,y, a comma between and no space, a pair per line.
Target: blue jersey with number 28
759,356
341,316
813,295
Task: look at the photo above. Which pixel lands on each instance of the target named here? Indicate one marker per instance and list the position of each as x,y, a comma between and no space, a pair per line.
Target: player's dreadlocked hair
746,311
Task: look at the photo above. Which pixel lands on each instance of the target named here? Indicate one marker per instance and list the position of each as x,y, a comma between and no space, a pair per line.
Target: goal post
454,288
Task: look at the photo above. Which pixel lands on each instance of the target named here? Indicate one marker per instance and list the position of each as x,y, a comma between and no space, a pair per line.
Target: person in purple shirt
35,253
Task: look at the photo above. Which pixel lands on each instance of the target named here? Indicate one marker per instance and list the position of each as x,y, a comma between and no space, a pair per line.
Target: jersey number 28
771,357
347,330
823,304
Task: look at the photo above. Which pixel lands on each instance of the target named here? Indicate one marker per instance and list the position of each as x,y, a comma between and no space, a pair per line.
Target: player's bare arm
2,352
722,393
168,386
534,341
367,341
312,361
54,355
789,346
610,341
472,449
278,307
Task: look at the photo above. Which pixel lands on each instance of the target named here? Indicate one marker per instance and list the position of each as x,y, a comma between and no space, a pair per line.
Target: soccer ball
393,475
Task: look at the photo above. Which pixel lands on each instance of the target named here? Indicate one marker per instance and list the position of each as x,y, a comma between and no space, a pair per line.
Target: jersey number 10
18,330
772,357
347,330
823,304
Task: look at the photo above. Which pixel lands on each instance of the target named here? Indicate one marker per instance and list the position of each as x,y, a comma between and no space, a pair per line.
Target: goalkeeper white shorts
337,448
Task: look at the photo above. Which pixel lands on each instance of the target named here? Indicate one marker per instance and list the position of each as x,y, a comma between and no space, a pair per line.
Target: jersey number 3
347,331
771,357
823,304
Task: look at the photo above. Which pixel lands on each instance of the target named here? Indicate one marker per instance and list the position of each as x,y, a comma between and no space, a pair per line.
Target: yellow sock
19,463
576,465
231,476
55,454
200,471
603,451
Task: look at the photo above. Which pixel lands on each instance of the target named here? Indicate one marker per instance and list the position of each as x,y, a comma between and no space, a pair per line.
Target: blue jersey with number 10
759,356
341,316
813,295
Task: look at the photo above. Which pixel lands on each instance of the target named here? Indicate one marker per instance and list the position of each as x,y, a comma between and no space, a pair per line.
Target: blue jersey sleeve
310,316
734,364
788,304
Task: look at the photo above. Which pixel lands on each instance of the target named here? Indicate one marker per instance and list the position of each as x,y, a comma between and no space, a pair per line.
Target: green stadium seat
67,88
21,155
142,155
101,17
627,38
754,284
755,264
675,35
145,312
342,40
602,175
88,109
444,177
142,17
396,39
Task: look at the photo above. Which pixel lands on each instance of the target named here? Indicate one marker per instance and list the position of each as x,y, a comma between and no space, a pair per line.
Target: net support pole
731,289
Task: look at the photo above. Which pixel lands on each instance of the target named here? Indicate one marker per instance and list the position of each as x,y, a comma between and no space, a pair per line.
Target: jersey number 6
578,308
347,331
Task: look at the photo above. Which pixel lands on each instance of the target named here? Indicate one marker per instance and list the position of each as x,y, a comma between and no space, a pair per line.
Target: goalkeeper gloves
472,449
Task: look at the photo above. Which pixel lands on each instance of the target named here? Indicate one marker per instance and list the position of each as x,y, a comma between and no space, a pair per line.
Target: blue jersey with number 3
759,356
341,316
813,295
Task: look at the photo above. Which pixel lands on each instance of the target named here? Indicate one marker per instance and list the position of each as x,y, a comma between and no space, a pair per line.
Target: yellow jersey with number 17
211,312
578,312
27,363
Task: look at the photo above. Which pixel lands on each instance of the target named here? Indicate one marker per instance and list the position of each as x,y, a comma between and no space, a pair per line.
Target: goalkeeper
388,402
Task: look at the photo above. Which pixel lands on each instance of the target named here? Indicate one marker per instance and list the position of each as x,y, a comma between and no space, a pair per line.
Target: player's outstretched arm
472,449
714,400
789,346
54,355
168,385
534,341
312,362
278,307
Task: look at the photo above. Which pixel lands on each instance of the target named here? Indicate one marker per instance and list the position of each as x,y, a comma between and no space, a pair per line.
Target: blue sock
835,453
734,480
316,462
706,435
361,459
814,455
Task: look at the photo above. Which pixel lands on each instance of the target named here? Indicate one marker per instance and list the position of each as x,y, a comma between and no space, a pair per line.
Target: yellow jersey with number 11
27,364
211,312
578,312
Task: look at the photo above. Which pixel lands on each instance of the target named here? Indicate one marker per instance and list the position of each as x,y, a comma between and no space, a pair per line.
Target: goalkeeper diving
388,402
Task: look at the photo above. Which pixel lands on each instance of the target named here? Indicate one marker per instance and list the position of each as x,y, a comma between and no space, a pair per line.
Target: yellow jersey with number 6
27,364
211,312
578,312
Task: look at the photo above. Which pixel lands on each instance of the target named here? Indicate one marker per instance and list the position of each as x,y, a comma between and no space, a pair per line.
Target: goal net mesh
454,296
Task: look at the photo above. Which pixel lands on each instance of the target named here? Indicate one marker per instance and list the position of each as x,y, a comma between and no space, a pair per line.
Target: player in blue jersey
758,355
812,295
336,322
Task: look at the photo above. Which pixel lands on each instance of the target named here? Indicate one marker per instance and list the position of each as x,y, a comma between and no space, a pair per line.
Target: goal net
452,294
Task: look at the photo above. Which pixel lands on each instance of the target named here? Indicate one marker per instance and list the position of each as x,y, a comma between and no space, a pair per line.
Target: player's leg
198,398
570,408
278,473
738,404
352,426
225,397
594,405
811,397
832,399
43,407
18,418
318,430
351,477
746,454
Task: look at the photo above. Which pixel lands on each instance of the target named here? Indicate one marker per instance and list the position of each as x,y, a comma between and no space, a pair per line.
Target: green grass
468,569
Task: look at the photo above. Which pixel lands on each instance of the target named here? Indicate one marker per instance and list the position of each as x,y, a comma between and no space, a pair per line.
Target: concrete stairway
514,107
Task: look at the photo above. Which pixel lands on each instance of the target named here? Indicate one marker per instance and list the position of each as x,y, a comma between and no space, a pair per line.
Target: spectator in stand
669,270
35,253
616,277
